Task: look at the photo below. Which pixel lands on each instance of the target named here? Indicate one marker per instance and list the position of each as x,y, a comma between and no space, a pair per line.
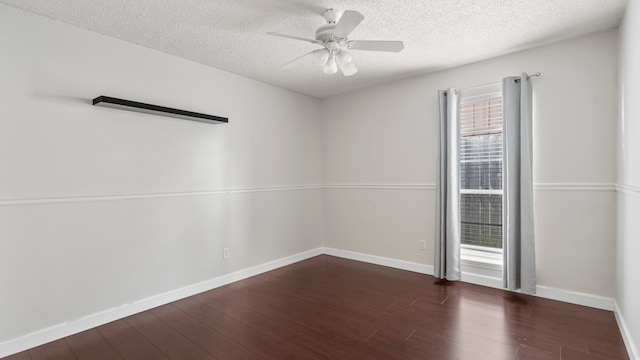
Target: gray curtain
518,235
447,245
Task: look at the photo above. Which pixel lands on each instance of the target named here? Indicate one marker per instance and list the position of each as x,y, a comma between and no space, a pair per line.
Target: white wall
100,207
628,264
379,161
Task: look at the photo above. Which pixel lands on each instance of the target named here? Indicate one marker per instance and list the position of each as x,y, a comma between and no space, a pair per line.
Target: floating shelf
116,103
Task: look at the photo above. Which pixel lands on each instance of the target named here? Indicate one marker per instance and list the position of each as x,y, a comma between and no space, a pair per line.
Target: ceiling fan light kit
333,37
330,67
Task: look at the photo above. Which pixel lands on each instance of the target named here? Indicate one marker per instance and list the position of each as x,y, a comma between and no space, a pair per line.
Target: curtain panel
518,232
447,244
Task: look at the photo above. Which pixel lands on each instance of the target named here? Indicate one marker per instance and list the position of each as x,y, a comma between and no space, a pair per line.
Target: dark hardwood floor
332,308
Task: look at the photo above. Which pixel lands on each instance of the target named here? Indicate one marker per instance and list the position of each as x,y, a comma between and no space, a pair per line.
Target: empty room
272,179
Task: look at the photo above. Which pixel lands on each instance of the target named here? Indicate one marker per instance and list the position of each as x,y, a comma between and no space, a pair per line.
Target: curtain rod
534,75
517,79
538,74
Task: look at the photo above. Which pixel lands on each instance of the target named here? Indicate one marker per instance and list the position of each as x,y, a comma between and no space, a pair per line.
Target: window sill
478,257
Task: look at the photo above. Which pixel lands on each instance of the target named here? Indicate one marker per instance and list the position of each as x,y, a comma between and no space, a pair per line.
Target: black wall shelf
116,103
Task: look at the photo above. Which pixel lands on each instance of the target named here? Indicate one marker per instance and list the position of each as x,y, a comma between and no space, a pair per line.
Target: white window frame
472,255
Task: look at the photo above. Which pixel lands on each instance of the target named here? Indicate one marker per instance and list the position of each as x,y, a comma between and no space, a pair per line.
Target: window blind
481,172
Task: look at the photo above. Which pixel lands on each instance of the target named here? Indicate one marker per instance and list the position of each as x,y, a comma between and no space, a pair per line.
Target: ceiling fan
333,37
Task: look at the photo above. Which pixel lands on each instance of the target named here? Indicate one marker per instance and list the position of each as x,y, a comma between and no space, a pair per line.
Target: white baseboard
626,334
575,297
69,328
379,260
411,266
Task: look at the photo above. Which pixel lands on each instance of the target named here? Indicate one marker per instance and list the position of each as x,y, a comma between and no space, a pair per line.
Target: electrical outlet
225,253
423,245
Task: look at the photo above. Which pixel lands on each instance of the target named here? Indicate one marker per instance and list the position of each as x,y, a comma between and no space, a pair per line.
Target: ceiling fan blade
319,55
293,37
348,21
376,45
345,63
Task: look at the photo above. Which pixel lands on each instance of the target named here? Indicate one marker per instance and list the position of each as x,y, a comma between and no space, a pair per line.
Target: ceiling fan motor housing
325,32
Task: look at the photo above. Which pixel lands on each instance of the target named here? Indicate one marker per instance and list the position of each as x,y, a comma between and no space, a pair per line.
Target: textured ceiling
230,34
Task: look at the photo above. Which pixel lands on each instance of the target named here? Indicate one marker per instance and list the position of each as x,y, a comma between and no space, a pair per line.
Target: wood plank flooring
332,308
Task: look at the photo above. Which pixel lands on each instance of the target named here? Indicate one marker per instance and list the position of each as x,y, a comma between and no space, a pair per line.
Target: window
481,174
